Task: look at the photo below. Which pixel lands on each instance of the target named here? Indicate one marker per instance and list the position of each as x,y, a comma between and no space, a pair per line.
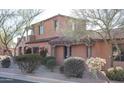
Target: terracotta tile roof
42,40
116,33
61,40
93,35
70,17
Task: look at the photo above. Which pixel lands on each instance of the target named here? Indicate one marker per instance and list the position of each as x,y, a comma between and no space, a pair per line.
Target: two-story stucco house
48,34
49,29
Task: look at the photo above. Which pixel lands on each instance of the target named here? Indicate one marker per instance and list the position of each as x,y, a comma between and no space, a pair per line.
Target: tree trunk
14,51
9,51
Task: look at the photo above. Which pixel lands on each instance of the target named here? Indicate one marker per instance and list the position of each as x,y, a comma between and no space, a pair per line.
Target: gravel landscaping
43,72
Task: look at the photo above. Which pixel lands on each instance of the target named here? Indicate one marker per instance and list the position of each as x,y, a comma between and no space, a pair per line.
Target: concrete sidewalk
30,78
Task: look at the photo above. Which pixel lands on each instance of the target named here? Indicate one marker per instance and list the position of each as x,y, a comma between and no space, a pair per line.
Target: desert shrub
74,67
6,62
115,73
28,62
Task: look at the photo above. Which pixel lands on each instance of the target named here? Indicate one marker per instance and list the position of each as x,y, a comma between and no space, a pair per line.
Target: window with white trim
56,24
41,29
89,51
73,26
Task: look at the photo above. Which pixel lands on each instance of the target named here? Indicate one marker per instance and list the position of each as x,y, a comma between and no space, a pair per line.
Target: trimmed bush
50,62
74,67
45,59
28,62
6,62
116,73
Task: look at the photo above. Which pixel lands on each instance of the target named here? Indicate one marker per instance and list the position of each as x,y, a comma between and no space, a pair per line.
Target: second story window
41,30
89,51
73,26
56,24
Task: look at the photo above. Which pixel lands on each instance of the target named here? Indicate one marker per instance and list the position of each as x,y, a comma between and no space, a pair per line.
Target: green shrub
116,73
28,62
6,62
50,62
74,67
45,59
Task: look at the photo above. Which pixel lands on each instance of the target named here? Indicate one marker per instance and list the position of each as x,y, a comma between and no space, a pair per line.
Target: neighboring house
48,34
3,51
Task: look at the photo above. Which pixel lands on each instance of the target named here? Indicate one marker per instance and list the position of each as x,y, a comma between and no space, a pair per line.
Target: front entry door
65,52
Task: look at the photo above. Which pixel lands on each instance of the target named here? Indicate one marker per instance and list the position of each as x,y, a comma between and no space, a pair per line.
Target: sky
51,12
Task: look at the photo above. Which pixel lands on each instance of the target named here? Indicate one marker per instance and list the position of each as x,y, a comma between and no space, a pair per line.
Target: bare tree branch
13,23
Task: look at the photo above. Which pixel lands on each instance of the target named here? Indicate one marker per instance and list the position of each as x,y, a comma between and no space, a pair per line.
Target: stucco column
68,50
52,50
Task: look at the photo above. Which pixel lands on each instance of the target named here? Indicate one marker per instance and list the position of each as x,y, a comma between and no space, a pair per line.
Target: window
56,24
35,50
89,51
73,26
65,52
118,52
41,29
